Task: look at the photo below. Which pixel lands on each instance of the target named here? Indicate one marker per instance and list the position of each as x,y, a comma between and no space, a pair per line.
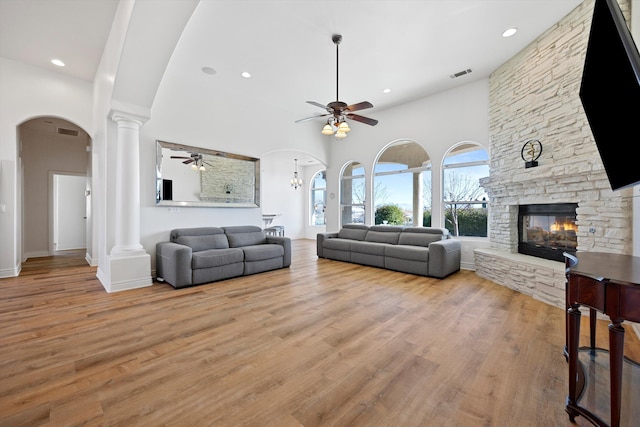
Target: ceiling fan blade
362,119
186,162
311,118
180,157
317,104
359,106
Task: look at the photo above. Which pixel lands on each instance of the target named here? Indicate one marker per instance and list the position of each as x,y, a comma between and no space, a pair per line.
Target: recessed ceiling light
57,62
387,90
509,32
245,74
208,70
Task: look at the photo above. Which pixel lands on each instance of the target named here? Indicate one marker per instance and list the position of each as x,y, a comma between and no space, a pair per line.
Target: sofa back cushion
353,231
245,235
422,236
200,238
384,234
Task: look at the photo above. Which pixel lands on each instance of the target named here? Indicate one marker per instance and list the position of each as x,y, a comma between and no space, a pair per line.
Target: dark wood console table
610,284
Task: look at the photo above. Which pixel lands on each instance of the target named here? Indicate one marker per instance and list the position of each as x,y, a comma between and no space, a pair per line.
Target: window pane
398,184
318,198
426,198
464,200
320,180
471,219
352,194
466,153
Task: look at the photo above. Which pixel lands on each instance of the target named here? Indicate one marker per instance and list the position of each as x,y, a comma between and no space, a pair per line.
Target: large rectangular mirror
192,176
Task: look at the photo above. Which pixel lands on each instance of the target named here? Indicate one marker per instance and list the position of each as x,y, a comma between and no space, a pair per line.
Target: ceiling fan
339,111
195,159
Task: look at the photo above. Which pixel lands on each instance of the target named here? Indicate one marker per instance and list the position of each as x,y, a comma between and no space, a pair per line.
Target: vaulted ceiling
411,47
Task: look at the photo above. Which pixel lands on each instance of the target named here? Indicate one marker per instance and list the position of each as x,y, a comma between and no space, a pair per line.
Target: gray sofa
426,251
194,256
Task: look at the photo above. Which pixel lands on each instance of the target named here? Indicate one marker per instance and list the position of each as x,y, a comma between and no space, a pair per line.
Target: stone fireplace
547,230
535,95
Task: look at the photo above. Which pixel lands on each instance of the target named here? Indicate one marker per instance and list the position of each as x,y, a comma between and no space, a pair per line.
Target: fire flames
563,226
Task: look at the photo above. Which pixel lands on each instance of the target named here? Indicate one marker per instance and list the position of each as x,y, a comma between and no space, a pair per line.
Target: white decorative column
129,266
127,220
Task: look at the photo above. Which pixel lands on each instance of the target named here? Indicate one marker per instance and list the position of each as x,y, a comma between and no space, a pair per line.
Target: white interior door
69,212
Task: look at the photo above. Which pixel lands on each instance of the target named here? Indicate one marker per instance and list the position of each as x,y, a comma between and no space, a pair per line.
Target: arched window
464,201
318,198
352,194
402,185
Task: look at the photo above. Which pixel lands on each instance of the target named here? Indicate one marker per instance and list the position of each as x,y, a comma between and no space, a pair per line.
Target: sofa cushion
370,248
338,244
201,243
261,252
194,231
245,235
422,236
353,231
384,234
410,253
216,258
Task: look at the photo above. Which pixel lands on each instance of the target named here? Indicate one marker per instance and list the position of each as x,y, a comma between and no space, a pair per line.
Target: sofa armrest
444,257
173,264
285,242
320,239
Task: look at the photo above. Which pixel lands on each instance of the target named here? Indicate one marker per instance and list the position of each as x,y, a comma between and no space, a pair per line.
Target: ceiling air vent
63,131
460,73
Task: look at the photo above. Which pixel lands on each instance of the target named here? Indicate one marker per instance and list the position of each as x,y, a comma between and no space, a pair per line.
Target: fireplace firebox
547,230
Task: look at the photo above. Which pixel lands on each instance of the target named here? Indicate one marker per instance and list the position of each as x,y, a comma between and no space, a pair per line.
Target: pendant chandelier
295,181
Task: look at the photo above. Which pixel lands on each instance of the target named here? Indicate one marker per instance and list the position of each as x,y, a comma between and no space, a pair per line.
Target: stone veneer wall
228,180
534,95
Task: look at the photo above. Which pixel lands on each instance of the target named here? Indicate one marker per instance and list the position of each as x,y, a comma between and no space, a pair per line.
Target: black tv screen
610,93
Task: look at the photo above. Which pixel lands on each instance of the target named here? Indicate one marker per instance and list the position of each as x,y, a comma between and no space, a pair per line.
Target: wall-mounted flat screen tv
610,93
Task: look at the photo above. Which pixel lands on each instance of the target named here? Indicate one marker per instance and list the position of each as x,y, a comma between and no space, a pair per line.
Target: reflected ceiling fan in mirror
339,111
196,160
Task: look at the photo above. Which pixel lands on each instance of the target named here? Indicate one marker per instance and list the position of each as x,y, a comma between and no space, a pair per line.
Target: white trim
10,272
36,254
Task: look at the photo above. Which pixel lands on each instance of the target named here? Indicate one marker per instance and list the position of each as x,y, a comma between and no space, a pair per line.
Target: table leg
592,328
616,355
573,342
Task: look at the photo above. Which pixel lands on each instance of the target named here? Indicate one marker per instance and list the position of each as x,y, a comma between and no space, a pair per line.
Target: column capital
123,112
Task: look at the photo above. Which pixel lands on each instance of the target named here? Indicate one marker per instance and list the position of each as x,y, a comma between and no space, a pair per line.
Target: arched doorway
54,157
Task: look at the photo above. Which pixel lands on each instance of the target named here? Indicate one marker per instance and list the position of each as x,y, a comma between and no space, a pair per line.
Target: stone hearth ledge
539,278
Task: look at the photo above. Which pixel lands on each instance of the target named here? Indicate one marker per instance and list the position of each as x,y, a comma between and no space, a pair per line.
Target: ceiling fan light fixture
338,110
344,127
194,166
202,168
327,130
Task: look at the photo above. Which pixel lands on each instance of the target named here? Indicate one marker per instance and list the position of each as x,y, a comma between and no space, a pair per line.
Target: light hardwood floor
322,343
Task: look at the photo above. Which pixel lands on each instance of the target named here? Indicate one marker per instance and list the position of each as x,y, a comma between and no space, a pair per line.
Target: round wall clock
530,153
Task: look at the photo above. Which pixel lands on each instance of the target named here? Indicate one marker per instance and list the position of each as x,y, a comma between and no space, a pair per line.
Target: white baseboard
91,261
10,272
35,254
